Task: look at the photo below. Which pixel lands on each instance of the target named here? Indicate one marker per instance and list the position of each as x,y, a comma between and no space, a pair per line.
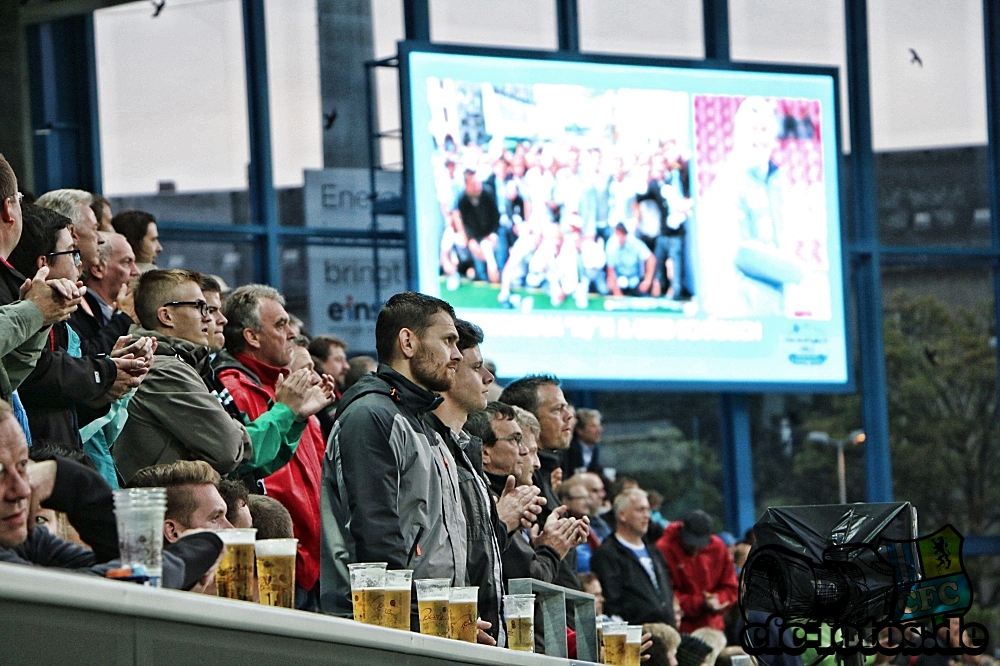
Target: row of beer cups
382,597
275,566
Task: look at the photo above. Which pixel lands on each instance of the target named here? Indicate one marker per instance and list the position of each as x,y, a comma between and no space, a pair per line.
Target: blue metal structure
63,85
866,260
263,200
739,510
991,40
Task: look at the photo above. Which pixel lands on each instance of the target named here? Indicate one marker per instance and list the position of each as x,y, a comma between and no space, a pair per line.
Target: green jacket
275,433
22,337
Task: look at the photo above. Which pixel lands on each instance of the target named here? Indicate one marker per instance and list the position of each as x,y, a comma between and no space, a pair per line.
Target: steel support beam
568,25
416,20
263,199
991,29
867,261
715,21
734,410
737,463
63,85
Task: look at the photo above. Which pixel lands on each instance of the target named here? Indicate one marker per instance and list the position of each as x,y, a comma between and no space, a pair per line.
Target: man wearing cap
701,570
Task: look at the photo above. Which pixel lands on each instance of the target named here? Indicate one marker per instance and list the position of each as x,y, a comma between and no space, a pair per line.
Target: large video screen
631,222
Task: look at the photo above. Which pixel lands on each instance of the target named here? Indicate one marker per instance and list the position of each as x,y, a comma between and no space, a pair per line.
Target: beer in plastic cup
520,612
395,609
139,513
433,595
615,637
633,642
462,613
367,590
276,571
234,578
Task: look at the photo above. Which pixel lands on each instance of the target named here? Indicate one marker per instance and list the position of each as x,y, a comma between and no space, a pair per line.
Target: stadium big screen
646,222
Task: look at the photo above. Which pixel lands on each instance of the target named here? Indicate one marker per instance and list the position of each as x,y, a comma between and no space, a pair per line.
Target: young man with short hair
390,486
173,416
487,533
193,499
66,389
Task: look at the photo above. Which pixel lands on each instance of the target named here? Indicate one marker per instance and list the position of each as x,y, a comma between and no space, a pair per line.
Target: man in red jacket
701,571
259,341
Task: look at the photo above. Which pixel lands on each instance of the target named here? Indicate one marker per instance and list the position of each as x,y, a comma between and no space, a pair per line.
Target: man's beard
429,374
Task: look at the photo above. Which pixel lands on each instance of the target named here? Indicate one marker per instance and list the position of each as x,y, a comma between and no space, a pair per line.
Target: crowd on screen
569,219
114,373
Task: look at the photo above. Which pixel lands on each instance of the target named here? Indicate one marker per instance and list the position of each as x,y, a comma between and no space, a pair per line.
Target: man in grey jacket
390,488
173,416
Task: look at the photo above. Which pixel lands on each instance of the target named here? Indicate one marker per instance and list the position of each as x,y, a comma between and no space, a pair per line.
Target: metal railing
553,599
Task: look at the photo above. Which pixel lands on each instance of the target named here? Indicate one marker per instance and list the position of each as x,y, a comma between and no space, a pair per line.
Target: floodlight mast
856,437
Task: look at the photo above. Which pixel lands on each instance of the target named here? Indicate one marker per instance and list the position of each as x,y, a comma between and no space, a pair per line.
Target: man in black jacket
529,553
65,390
487,535
632,571
390,486
541,395
109,310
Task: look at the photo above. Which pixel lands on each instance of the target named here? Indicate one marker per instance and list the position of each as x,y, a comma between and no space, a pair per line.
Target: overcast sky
172,90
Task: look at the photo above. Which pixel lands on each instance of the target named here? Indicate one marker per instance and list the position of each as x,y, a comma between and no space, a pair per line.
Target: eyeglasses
76,255
201,305
516,438
17,196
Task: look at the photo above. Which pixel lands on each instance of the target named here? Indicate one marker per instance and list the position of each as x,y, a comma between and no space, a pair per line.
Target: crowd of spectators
114,373
566,218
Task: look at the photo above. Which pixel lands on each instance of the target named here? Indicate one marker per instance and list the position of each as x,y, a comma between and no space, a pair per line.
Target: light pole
856,437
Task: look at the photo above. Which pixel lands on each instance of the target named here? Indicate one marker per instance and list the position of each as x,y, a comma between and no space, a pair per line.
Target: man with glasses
528,553
27,309
173,415
66,390
75,204
107,311
542,396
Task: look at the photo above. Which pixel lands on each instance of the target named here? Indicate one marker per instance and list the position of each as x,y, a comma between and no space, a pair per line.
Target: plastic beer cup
139,513
395,610
633,643
462,613
433,595
615,637
519,610
234,578
276,571
367,586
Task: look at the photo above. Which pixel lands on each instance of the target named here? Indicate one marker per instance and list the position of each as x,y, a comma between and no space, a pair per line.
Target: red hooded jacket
710,571
297,484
